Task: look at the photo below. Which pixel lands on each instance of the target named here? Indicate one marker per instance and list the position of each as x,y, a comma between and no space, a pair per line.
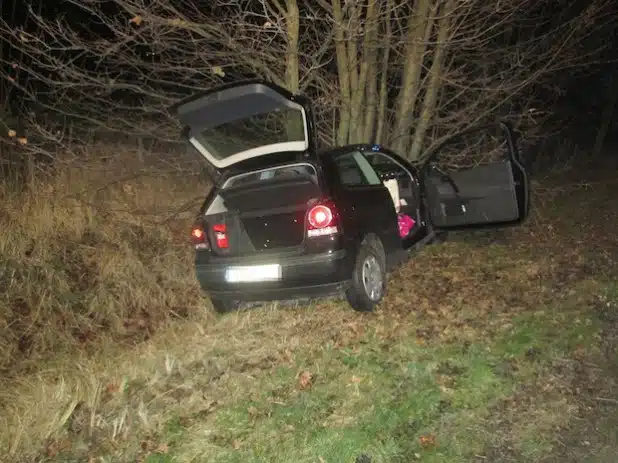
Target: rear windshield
295,171
284,125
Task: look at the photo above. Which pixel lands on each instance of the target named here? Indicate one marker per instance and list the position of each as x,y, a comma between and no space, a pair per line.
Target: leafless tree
390,71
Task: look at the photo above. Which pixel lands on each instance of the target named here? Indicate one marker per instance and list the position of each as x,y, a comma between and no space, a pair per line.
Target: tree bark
294,126
386,46
292,70
433,86
361,94
343,72
415,51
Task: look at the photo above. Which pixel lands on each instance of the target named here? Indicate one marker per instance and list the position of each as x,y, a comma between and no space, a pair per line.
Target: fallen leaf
428,440
112,388
137,20
12,133
163,448
305,380
218,71
23,141
58,446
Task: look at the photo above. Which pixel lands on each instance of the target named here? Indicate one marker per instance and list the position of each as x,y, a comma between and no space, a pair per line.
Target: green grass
380,399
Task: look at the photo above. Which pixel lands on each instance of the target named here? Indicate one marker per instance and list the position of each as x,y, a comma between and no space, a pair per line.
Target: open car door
476,179
234,123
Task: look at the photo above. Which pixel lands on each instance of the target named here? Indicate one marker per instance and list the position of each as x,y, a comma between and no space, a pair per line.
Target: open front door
476,179
234,123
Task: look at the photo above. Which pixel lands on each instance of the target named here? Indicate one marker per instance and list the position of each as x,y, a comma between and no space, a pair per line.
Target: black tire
224,305
371,252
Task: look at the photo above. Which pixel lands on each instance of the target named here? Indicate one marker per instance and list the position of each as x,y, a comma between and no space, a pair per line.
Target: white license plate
253,273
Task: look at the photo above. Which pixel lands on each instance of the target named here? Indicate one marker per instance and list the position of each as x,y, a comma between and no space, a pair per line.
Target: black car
285,221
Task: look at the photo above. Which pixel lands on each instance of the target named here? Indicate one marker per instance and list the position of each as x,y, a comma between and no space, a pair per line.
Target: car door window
354,170
398,180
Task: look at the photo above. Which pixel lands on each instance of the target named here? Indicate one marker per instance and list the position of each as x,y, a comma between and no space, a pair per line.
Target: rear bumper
310,275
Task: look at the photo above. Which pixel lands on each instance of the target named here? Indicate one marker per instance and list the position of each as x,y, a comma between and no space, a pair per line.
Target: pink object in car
405,224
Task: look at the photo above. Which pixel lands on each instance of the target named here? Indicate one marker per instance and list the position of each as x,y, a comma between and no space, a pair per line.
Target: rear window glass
296,171
280,126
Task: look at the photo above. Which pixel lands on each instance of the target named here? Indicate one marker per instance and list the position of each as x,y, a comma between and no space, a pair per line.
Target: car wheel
224,305
368,284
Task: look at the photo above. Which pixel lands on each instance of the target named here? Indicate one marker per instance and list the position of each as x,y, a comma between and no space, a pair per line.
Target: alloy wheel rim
373,280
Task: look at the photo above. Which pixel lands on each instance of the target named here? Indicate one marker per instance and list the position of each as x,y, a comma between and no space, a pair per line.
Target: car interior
401,185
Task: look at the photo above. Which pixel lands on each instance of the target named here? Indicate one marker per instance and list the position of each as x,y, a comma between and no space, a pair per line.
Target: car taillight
198,236
220,230
322,220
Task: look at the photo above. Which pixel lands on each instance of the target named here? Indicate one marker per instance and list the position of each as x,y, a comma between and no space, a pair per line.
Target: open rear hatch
260,139
262,211
234,123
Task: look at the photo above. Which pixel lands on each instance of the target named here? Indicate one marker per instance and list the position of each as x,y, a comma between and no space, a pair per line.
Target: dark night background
577,97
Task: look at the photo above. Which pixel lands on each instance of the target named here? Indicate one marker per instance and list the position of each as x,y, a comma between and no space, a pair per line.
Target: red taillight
220,230
198,234
322,220
199,237
320,216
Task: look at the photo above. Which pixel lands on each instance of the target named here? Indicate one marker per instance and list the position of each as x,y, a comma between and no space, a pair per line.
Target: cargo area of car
261,211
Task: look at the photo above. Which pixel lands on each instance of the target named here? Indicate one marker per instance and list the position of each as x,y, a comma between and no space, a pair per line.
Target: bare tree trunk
344,74
386,46
292,68
357,132
352,29
415,51
435,77
367,134
292,72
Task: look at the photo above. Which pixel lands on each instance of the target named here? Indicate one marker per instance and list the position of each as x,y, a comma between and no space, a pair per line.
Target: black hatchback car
285,221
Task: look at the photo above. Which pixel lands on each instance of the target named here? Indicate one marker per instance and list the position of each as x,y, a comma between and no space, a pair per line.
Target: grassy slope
486,349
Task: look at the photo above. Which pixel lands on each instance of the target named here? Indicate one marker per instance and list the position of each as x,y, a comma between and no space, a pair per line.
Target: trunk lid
235,123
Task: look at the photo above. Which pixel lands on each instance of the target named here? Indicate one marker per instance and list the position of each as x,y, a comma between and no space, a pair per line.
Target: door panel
476,179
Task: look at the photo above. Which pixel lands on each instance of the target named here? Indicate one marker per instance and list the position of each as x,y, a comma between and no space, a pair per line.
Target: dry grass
110,353
84,256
